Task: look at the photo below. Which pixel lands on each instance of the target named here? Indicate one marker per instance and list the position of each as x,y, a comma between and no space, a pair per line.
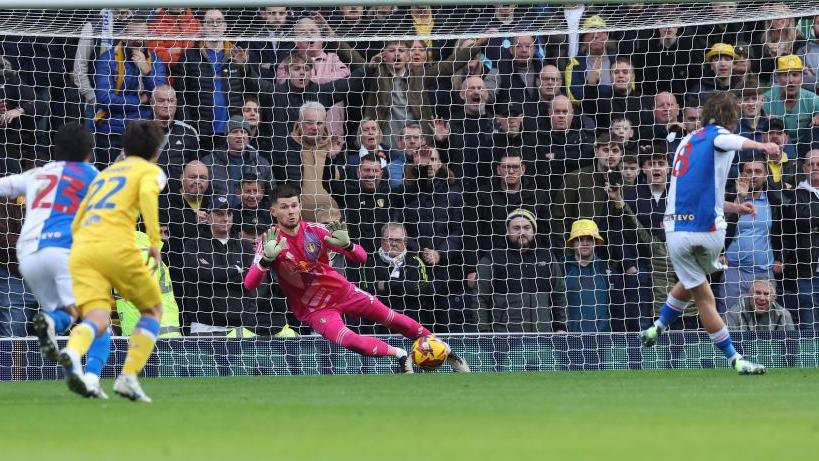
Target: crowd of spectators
503,184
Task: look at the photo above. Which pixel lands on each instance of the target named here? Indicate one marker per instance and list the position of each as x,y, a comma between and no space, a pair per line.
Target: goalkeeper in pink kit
318,295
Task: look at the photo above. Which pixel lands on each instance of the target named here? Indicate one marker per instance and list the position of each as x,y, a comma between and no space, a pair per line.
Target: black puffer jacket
197,82
214,294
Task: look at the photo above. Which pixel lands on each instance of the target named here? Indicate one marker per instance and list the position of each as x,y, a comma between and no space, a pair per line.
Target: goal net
505,168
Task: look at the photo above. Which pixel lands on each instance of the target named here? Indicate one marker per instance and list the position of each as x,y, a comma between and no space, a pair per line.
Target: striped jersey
53,194
696,194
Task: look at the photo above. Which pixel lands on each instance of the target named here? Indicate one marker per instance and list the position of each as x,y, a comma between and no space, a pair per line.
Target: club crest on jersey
312,245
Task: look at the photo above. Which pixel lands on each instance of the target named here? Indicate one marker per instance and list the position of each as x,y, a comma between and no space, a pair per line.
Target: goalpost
469,147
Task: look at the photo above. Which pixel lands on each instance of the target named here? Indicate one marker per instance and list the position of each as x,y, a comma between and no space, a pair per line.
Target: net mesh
505,169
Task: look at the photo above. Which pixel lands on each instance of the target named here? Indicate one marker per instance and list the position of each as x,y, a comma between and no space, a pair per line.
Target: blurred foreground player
53,194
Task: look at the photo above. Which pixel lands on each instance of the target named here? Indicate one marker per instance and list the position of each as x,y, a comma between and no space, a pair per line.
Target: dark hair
656,150
73,143
756,158
142,138
775,124
250,98
621,59
503,152
604,139
721,108
629,158
370,158
253,228
251,178
285,191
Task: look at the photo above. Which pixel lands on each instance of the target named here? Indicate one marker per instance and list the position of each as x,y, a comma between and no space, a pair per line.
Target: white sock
91,378
400,352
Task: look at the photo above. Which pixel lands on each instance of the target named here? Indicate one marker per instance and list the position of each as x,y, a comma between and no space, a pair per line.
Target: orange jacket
171,26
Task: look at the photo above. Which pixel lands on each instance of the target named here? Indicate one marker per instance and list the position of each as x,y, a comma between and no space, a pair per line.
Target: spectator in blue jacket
126,74
587,281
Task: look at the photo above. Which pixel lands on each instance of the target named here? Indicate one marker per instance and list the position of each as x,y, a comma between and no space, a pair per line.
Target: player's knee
101,318
72,311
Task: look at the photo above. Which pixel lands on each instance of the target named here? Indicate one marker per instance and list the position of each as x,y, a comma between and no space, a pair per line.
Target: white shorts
695,255
46,274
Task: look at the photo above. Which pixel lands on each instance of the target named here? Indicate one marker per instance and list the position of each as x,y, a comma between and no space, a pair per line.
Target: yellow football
429,352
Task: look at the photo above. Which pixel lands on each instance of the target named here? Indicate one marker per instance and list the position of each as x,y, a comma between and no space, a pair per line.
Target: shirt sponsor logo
684,217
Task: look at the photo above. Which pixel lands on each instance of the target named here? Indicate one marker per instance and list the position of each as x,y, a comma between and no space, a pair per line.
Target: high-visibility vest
129,314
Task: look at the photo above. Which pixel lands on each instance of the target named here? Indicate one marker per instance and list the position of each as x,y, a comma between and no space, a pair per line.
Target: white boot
128,387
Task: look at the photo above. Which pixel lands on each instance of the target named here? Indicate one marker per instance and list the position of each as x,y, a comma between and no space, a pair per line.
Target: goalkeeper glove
339,236
273,245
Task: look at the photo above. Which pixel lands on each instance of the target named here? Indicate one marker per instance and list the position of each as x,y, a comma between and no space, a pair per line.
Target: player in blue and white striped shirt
695,221
53,193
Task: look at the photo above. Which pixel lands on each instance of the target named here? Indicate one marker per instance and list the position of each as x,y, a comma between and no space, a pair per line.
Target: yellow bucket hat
720,49
583,228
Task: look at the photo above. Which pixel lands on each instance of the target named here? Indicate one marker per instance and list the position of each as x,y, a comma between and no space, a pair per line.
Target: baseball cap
788,63
220,202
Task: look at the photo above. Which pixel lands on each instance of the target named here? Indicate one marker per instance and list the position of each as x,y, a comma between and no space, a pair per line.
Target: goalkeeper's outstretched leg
367,306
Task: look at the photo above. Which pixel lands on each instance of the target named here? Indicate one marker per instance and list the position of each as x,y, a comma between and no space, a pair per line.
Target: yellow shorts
96,268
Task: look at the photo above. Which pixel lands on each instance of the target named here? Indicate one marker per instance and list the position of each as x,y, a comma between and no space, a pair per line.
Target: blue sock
62,320
148,324
722,339
671,311
98,354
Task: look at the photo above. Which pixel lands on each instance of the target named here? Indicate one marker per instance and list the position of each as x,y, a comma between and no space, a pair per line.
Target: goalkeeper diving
318,295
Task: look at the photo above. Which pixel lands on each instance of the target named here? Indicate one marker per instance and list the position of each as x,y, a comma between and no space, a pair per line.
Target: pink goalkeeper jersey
305,275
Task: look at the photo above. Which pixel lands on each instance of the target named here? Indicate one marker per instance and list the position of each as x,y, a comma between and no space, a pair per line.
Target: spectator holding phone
583,194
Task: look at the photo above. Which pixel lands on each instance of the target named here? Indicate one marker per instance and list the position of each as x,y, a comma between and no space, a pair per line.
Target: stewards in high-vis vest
128,313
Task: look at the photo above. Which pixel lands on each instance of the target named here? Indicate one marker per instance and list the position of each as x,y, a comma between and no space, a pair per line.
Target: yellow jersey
116,198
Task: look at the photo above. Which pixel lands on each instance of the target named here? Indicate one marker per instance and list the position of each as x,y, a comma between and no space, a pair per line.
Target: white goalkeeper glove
273,246
339,236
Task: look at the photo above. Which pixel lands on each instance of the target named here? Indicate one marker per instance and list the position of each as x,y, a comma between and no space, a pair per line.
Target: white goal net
505,167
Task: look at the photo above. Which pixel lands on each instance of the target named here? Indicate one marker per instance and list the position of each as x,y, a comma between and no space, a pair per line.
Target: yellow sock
139,349
81,338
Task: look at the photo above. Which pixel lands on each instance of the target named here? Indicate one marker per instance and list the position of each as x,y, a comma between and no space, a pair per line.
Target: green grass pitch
705,415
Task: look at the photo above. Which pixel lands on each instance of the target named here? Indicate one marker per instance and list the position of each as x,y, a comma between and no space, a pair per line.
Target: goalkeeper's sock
62,320
398,352
98,354
81,338
140,346
671,311
722,339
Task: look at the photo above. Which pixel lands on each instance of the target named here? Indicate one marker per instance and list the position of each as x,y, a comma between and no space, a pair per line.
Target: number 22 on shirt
98,201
